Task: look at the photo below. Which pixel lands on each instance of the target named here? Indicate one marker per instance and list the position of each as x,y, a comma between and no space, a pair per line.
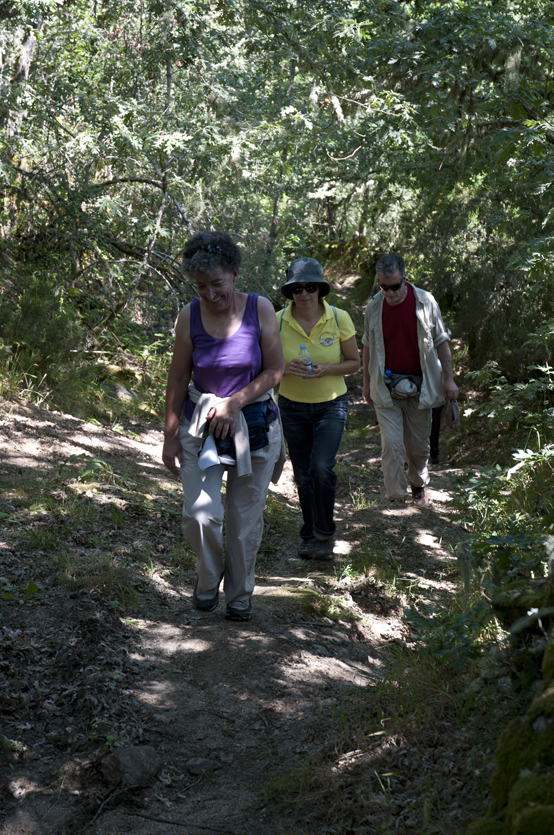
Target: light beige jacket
431,333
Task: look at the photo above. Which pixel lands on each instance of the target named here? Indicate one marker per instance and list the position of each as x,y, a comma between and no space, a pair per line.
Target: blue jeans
313,432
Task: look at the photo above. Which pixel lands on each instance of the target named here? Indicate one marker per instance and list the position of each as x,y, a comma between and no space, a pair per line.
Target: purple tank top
225,366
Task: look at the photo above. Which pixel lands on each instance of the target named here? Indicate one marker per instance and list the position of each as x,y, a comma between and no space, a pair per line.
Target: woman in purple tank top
227,356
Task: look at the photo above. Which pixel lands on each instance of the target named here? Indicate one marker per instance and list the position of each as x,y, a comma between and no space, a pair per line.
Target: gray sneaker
323,549
306,550
236,613
202,604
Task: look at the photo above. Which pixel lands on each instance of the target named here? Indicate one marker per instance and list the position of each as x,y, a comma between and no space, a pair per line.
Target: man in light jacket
407,368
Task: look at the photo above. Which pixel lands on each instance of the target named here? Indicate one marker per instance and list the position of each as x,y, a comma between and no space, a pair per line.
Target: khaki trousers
404,437
203,515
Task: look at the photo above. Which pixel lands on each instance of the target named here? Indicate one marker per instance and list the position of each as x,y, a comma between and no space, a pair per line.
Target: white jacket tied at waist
204,403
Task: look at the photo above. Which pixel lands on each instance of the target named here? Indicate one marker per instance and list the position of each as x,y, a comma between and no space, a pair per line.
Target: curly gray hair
206,251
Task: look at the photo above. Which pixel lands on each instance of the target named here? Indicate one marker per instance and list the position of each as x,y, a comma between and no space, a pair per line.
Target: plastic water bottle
304,355
388,377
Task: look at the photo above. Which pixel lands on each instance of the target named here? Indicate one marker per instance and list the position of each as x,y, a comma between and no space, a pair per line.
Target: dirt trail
83,670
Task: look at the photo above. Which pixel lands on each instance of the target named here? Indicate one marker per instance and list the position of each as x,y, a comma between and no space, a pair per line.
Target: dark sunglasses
392,287
297,289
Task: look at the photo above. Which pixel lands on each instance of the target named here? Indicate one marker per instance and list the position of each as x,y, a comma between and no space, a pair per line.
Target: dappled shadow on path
101,660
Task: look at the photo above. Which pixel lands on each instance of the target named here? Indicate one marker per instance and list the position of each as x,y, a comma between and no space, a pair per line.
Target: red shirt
400,335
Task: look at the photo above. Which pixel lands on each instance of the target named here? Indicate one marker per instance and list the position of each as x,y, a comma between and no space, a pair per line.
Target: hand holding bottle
300,366
305,357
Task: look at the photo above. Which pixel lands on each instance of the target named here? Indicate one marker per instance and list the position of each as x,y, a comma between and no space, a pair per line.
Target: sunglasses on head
392,287
296,289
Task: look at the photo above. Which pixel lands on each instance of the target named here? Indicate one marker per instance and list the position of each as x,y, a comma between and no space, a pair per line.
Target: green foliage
521,406
45,539
99,572
43,323
505,539
340,129
359,499
22,593
504,511
42,338
454,636
95,468
507,512
325,605
487,826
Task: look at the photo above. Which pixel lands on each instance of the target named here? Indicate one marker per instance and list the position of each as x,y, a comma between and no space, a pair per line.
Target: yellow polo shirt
323,343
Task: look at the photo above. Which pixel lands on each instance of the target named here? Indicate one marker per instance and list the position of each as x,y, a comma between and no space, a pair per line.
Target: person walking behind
405,350
226,360
313,401
434,435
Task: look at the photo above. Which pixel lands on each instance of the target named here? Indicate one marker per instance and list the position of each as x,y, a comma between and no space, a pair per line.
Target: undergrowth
63,525
54,354
507,514
317,604
440,706
410,752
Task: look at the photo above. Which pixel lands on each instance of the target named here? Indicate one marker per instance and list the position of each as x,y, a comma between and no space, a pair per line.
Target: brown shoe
419,495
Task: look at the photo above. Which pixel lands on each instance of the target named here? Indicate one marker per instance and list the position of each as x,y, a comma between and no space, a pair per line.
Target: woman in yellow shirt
313,402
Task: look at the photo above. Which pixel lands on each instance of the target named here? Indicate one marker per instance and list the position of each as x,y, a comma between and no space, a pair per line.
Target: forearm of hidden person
451,390
366,377
445,358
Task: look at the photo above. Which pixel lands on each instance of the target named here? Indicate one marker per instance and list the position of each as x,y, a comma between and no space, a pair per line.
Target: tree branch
117,180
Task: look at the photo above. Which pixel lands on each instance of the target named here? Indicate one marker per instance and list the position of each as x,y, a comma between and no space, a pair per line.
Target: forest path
120,657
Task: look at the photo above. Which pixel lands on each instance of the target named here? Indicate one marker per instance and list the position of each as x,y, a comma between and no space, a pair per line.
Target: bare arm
451,390
224,416
348,365
365,371
176,393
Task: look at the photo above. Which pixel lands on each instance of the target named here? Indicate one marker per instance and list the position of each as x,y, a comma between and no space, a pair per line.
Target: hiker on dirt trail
434,434
405,350
312,397
220,415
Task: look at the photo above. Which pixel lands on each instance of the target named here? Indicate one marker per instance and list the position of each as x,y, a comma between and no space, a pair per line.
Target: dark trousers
313,432
435,431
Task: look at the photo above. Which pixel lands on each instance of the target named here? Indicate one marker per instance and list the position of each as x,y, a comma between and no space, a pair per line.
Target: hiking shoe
234,613
419,495
434,459
306,550
323,549
205,605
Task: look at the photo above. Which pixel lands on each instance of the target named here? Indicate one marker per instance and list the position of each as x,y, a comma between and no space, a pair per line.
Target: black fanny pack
256,416
410,385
